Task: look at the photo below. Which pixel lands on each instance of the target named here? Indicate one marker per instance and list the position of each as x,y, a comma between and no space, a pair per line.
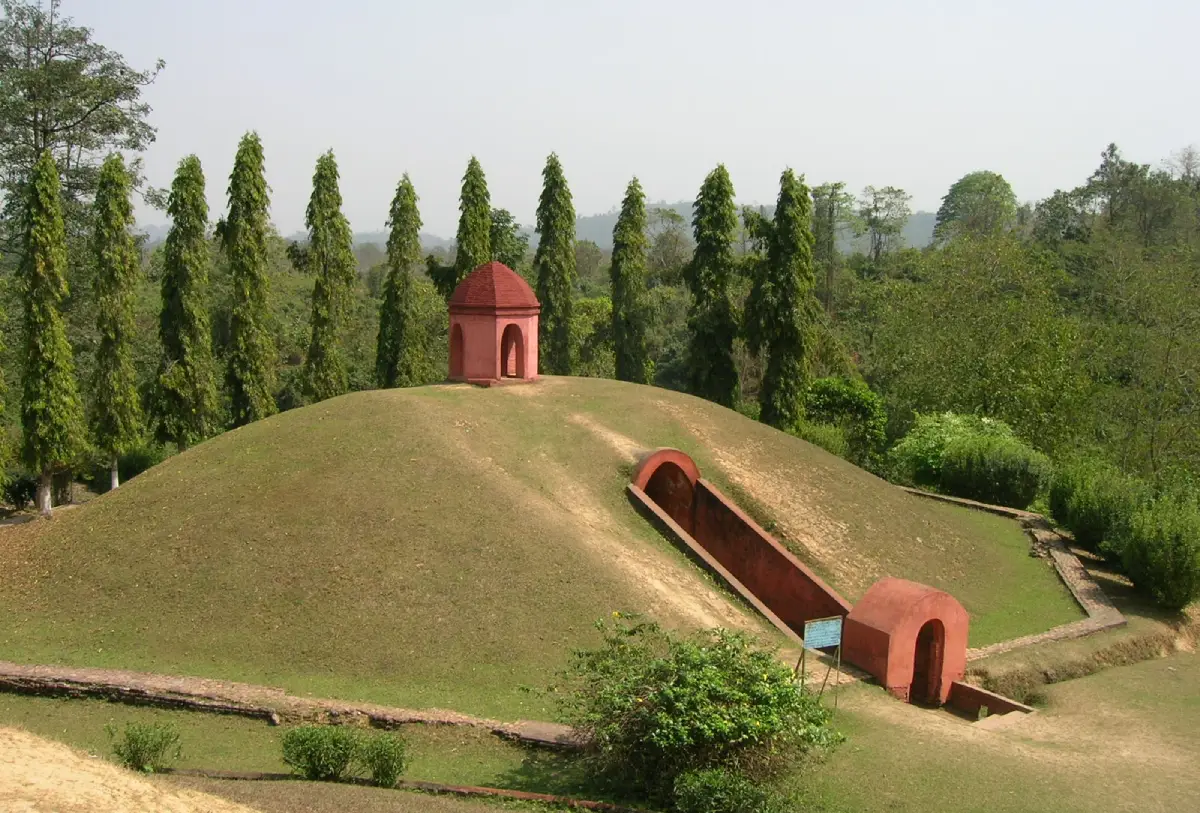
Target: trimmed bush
325,753
1096,501
1160,551
20,487
654,705
850,405
917,459
993,469
830,438
385,756
145,747
716,790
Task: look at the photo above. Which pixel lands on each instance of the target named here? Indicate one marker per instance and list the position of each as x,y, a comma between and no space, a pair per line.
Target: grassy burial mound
447,546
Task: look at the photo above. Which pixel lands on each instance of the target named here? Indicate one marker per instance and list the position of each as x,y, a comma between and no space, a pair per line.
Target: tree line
1072,319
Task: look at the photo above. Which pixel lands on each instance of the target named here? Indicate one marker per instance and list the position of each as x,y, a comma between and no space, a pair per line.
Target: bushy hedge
993,469
654,705
330,753
1160,551
969,456
830,438
146,747
851,406
1096,501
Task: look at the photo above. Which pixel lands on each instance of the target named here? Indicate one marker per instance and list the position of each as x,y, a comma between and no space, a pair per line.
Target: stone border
1101,612
248,700
423,787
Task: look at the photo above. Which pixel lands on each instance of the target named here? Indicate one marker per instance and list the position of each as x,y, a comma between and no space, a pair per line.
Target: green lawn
448,546
1125,739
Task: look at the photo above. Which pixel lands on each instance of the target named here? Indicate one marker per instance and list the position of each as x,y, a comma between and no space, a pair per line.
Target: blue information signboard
823,632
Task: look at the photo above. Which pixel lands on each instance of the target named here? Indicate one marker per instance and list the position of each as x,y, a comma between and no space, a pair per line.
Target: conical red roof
493,285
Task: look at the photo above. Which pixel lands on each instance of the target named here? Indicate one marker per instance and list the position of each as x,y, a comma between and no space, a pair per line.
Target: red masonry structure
493,327
911,637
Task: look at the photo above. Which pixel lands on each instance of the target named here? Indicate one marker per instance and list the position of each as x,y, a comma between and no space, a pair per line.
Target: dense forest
1067,328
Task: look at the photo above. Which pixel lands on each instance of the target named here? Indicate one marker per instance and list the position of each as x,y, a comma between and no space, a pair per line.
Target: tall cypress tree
116,415
628,274
712,373
250,374
474,238
554,265
51,414
331,257
782,305
186,398
393,353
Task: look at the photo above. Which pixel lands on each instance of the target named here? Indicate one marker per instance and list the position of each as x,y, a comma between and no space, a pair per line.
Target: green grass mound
447,546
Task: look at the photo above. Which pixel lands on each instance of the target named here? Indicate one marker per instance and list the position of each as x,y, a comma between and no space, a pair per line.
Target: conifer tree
473,241
51,414
186,398
393,353
628,274
250,374
331,257
712,373
554,267
782,304
116,414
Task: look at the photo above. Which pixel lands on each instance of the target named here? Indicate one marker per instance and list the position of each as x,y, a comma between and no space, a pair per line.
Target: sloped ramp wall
667,486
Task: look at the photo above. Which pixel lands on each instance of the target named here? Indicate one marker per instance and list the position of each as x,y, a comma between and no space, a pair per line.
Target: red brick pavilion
493,328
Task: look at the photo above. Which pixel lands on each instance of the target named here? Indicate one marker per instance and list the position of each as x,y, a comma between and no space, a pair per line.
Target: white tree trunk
115,481
43,495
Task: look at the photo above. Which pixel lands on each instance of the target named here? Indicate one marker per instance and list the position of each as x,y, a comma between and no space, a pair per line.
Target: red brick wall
969,699
757,560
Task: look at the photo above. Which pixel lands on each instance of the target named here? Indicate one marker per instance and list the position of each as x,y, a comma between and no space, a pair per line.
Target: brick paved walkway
1101,613
248,700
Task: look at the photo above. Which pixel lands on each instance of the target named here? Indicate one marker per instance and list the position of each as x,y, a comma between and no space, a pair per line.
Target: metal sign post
823,633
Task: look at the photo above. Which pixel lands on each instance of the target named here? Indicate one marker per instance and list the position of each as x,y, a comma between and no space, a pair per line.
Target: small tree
628,274
51,414
251,371
712,373
653,706
781,307
554,266
331,256
395,346
116,415
508,245
186,398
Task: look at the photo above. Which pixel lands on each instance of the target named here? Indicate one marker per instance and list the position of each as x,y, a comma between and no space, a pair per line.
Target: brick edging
1101,613
248,700
423,787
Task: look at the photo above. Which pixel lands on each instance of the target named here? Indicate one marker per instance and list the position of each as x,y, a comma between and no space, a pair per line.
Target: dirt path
39,776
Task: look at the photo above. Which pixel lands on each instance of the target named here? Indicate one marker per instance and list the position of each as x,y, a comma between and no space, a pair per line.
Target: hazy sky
912,94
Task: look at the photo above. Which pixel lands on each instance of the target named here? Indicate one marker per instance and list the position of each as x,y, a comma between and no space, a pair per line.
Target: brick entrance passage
927,664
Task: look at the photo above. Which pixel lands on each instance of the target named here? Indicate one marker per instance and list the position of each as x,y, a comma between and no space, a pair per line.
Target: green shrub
654,705
830,438
716,790
1096,501
1160,551
145,747
384,755
917,459
993,469
325,753
20,488
851,406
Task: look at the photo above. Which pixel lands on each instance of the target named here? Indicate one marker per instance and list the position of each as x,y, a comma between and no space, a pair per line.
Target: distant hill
918,233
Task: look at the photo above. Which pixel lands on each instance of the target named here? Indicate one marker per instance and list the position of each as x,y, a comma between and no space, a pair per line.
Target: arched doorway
512,353
926,686
672,490
456,351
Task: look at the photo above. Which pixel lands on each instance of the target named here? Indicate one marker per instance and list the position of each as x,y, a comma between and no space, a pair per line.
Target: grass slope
445,546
